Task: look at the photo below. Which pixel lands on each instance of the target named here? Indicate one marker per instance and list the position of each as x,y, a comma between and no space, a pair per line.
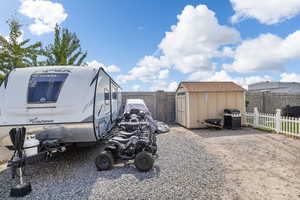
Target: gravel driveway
183,171
257,165
197,164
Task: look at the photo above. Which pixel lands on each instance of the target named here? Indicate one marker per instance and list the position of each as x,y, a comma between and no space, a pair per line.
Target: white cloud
200,75
45,14
164,85
110,68
224,76
124,78
228,52
172,86
163,74
268,52
245,81
188,47
195,39
290,77
148,69
265,11
242,81
136,87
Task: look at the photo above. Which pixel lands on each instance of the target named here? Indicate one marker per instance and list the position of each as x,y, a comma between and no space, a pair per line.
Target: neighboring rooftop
211,87
279,87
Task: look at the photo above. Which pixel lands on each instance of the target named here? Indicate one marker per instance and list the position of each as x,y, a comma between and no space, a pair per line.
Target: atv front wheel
144,161
104,161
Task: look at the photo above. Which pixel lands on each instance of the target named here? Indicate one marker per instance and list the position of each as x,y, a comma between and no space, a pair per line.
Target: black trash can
232,119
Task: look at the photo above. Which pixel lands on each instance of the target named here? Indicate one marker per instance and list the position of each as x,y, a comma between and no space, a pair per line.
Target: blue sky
212,40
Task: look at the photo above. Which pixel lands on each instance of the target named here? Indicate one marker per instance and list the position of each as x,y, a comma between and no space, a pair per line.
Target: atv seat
127,134
121,139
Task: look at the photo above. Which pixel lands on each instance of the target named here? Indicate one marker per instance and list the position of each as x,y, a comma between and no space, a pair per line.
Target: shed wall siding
211,105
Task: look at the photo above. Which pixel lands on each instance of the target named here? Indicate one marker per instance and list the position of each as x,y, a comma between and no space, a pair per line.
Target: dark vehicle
134,139
291,111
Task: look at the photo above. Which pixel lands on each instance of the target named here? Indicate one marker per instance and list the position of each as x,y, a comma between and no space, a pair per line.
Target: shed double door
181,110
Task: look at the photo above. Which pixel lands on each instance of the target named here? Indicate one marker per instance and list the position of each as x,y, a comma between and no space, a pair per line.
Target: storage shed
198,101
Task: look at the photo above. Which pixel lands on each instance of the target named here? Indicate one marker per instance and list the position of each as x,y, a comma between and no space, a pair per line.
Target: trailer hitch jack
17,137
22,189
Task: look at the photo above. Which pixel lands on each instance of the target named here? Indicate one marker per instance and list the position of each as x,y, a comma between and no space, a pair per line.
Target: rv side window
114,94
106,96
45,88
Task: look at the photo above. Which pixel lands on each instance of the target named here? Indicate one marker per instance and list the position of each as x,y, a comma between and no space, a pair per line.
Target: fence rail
275,122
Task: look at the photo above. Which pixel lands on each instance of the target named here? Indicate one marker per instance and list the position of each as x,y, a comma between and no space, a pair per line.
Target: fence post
256,117
278,120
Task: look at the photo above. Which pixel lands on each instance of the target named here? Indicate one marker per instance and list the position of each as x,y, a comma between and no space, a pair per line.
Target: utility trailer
44,109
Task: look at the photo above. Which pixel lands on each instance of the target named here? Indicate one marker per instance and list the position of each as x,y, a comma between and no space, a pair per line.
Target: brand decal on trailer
56,70
37,121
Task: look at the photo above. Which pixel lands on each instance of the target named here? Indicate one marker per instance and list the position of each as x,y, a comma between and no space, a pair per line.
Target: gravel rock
184,170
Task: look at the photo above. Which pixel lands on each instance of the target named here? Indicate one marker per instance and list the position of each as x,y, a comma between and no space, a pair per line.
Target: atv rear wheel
104,161
144,161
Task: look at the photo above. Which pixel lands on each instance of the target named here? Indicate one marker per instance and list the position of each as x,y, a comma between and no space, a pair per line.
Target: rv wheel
104,161
144,161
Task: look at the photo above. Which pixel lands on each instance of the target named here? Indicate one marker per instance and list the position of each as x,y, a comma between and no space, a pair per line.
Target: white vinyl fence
275,122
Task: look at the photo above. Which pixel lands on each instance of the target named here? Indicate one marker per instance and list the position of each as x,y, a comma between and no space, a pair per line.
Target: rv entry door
102,113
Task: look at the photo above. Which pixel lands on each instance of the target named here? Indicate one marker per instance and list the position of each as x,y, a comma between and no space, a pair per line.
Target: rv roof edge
65,66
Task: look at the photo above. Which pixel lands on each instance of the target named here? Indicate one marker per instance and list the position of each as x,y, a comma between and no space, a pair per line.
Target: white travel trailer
70,104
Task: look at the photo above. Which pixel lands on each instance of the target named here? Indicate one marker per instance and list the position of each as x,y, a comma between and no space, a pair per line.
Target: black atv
133,138
140,147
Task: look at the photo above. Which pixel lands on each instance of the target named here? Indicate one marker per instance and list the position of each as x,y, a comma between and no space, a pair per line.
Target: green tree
1,78
65,50
14,52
